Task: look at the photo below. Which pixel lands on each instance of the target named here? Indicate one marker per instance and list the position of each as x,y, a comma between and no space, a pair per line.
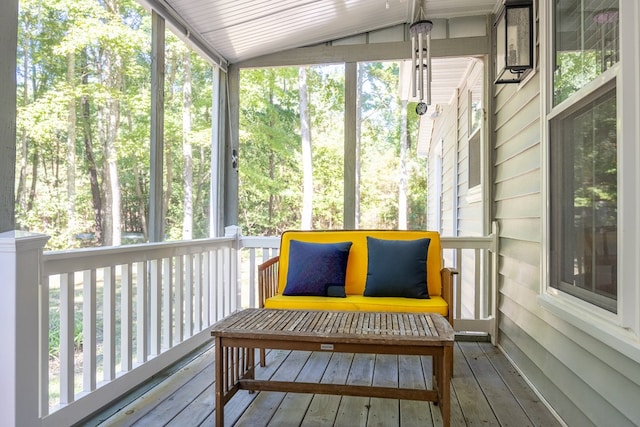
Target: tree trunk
402,187
34,178
307,157
96,196
112,181
24,152
187,220
71,148
141,211
272,164
359,84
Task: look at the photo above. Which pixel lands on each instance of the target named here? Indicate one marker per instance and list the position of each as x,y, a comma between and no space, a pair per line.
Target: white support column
156,230
231,157
350,144
20,261
217,153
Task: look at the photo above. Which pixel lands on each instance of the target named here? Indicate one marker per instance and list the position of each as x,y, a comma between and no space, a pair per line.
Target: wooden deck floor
486,391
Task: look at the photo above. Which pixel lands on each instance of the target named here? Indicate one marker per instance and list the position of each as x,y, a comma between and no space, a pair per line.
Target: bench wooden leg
263,357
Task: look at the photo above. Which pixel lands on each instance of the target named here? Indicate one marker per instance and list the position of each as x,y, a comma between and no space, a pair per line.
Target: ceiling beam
390,51
185,32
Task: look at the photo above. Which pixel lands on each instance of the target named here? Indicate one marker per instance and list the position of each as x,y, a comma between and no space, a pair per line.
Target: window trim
620,330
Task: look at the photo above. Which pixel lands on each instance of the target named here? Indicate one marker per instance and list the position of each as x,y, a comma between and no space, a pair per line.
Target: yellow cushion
360,303
357,265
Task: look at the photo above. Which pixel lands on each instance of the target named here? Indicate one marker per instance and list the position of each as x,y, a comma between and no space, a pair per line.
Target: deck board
485,390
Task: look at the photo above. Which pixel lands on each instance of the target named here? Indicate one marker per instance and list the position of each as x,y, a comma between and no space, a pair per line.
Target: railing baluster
109,323
179,300
141,312
67,318
155,309
45,333
126,318
252,277
197,303
89,330
167,303
478,296
188,296
458,293
206,290
220,285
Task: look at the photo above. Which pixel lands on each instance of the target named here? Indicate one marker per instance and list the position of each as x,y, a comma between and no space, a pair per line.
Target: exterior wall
470,218
588,379
445,130
588,382
461,209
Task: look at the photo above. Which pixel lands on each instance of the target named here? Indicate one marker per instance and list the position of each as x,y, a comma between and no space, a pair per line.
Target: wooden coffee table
238,335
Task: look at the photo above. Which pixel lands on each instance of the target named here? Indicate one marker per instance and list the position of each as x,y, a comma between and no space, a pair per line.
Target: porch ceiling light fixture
420,32
513,33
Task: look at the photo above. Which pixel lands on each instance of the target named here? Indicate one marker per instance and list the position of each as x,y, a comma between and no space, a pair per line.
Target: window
475,124
586,44
584,201
474,161
583,153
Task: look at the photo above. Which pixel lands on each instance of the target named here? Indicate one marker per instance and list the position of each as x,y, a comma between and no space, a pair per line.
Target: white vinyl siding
462,210
591,378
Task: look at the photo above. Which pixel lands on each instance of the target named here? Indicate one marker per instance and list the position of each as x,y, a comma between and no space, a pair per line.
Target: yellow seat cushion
435,304
356,276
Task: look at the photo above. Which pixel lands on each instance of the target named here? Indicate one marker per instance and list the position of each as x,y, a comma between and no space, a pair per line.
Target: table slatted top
425,329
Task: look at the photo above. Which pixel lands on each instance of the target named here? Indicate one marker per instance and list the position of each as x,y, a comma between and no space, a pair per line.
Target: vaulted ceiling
237,30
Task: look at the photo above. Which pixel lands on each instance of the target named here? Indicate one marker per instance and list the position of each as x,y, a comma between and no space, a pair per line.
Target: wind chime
420,32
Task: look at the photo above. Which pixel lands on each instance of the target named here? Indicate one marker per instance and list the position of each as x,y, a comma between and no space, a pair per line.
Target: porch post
20,261
8,45
156,161
232,146
350,143
218,106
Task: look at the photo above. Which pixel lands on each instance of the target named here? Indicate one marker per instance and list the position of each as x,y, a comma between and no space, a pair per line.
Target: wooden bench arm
267,280
447,289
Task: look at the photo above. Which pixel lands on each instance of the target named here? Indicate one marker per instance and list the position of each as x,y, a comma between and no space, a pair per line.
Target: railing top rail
448,242
272,242
475,242
68,261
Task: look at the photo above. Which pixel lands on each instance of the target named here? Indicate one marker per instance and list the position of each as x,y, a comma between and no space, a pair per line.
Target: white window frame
621,330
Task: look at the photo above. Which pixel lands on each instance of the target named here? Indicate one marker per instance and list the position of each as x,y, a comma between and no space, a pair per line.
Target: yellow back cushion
358,258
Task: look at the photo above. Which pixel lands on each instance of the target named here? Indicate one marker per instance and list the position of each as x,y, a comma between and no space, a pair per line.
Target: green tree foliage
94,56
270,164
84,89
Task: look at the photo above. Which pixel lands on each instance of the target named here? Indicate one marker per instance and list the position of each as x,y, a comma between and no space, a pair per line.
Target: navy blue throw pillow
397,268
314,267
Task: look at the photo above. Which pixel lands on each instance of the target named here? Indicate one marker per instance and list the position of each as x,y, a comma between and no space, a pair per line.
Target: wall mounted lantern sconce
513,33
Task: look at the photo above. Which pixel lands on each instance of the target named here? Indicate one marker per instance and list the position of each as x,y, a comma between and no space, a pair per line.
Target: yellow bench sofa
272,275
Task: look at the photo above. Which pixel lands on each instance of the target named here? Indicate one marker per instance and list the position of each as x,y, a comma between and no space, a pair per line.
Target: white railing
83,327
102,321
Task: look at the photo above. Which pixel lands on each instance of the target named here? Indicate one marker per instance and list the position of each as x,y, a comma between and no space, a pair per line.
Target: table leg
219,383
445,385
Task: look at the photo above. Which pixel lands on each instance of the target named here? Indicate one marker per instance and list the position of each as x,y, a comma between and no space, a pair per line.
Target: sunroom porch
104,321
584,363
